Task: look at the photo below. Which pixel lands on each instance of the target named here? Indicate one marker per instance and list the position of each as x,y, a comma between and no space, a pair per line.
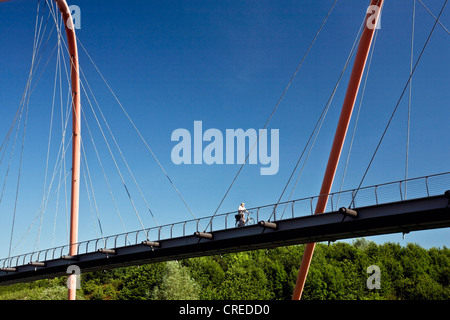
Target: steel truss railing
408,189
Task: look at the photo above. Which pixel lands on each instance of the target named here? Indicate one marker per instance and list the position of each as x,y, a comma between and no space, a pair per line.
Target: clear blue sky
225,63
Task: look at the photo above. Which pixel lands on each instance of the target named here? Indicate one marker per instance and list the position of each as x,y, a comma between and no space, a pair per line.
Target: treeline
338,271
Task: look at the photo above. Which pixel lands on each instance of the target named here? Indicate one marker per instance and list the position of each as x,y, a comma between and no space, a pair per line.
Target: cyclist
242,212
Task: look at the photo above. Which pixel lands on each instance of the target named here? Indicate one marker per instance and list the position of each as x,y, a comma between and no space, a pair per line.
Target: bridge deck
402,216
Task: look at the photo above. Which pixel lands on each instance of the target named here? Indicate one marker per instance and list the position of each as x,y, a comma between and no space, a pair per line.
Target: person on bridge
242,212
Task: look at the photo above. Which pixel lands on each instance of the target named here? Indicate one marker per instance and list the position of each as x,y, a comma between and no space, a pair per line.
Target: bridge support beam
267,224
150,243
66,257
341,131
204,235
107,251
37,264
348,212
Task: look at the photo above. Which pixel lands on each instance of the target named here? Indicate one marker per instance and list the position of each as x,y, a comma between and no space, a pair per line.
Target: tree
337,271
208,273
244,278
137,283
177,284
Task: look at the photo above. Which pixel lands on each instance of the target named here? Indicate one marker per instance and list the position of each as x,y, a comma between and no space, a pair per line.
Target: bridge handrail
28,257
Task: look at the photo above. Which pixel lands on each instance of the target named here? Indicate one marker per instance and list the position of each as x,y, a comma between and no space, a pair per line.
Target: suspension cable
138,131
276,105
103,171
318,125
369,64
18,178
101,130
117,145
37,56
408,126
24,103
398,103
92,190
115,163
431,13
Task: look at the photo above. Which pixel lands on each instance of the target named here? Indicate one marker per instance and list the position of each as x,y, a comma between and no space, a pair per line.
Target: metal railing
374,195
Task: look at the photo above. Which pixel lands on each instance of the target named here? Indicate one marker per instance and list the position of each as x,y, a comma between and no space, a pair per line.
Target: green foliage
138,282
208,273
244,278
176,284
338,271
53,289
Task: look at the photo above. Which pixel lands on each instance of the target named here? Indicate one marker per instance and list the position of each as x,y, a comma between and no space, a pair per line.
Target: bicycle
248,221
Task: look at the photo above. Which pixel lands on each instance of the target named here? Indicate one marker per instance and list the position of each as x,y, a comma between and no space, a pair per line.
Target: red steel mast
76,136
365,42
